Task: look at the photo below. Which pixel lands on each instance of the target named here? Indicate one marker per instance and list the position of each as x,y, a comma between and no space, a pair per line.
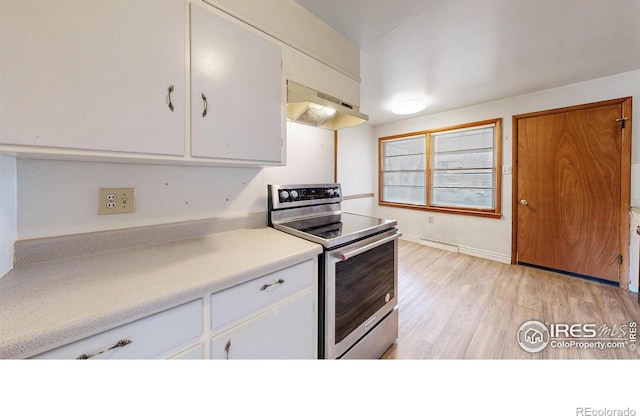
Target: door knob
524,202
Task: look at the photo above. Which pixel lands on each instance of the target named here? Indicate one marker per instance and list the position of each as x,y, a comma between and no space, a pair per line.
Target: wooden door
571,195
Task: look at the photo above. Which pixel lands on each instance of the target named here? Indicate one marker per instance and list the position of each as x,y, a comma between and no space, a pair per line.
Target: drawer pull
119,344
265,286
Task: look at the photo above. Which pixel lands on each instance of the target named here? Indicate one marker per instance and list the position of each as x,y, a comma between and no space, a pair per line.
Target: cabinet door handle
265,286
227,347
119,344
206,105
169,103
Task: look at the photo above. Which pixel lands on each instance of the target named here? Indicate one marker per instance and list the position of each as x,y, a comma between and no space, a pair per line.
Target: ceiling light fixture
409,106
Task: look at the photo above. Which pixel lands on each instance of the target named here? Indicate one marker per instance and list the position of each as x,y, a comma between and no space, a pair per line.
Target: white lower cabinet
285,331
238,303
273,316
155,336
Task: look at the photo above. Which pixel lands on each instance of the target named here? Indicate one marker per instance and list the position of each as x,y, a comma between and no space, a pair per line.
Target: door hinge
620,259
621,120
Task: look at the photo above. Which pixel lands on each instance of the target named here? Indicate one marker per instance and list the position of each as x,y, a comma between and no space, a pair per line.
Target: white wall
7,212
357,147
309,158
58,197
490,237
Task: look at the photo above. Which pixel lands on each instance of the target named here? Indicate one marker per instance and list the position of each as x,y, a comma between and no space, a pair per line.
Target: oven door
361,289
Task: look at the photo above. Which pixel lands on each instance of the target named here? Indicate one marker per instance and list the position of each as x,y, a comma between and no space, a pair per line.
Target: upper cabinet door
93,75
236,91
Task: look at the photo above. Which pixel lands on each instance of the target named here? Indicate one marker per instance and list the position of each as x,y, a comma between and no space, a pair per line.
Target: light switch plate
116,201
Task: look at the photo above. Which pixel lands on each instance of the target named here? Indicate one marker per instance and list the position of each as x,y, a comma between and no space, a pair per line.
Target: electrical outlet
506,170
430,219
116,201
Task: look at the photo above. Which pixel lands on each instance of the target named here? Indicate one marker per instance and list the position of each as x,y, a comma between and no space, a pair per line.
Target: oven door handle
346,255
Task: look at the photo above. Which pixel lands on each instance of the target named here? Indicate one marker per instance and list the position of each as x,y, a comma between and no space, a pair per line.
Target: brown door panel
569,186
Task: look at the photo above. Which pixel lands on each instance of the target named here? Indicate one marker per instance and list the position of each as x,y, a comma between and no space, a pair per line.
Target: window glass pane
404,169
462,163
415,162
408,146
462,198
463,179
404,178
474,138
414,195
464,159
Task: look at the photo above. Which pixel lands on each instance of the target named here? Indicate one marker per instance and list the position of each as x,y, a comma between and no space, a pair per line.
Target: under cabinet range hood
308,106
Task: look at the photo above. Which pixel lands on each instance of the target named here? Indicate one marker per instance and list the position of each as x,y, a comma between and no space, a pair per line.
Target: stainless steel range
358,276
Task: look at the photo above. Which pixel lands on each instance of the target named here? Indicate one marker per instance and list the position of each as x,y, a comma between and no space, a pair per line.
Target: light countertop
48,304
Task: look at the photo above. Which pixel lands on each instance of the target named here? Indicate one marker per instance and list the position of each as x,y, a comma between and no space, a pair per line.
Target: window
404,170
454,169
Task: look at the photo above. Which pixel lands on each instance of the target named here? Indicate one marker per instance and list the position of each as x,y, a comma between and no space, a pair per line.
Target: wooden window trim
495,213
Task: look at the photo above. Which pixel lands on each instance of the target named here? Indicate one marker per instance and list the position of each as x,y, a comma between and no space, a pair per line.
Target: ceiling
457,53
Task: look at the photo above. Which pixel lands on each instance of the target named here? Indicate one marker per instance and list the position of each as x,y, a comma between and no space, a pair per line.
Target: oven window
362,285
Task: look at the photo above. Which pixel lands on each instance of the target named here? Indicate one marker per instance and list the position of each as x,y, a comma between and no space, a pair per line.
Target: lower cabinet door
287,331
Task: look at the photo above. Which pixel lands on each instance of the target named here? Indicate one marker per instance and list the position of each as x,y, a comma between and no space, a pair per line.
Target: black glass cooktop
336,229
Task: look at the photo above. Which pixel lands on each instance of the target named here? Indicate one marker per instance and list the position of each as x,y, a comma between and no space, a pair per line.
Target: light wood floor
454,306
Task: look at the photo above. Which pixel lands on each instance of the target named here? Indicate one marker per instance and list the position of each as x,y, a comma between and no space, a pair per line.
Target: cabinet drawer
150,336
249,298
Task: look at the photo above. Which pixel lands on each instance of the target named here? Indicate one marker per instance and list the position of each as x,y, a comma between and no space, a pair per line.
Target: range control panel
303,195
307,194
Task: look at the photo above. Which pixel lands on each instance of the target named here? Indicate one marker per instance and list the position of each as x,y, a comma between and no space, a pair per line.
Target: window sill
456,211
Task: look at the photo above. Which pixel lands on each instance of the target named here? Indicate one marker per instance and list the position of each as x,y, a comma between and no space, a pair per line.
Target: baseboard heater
432,243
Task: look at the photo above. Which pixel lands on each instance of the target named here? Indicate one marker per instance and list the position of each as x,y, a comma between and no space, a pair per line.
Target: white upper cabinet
312,73
93,75
236,91
171,81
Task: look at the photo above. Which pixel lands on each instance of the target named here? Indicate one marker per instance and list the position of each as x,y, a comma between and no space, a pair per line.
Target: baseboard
488,255
633,289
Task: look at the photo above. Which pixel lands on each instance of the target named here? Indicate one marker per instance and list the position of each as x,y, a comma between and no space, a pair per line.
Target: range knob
284,194
336,192
294,194
329,192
